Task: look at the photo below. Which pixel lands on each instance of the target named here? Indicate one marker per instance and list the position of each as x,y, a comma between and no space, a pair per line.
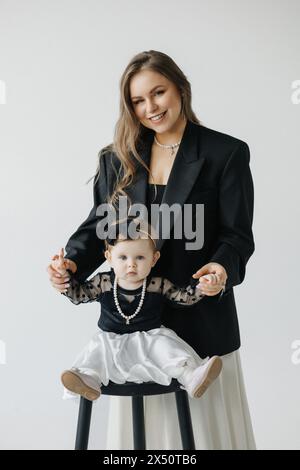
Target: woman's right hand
58,275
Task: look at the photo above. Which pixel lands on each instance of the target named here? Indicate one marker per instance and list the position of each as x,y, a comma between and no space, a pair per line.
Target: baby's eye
140,257
122,257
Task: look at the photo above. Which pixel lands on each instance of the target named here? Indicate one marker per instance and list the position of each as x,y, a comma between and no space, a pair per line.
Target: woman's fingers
210,284
60,287
221,273
61,258
202,271
213,290
59,268
51,271
58,262
54,275
71,265
59,282
211,278
57,271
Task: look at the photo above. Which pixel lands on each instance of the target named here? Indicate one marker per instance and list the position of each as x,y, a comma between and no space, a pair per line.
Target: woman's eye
156,93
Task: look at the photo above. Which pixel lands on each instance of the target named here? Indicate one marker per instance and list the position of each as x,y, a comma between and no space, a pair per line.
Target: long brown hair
129,132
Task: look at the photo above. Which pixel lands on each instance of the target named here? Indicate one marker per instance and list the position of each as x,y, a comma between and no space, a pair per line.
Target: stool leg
138,423
83,424
185,420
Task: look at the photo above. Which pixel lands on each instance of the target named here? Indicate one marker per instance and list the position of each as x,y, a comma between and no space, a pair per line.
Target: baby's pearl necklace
129,317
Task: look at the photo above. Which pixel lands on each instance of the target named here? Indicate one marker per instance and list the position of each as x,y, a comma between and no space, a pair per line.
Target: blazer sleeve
84,247
235,243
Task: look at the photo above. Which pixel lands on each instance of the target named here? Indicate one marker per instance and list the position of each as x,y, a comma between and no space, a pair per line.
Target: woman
161,154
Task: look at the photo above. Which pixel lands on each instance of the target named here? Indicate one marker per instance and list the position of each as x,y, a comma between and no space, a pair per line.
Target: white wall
61,63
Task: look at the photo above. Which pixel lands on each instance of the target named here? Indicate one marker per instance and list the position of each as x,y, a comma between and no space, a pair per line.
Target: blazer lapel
185,171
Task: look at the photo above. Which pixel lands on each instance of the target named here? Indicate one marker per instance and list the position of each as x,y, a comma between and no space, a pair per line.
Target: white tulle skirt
157,355
221,419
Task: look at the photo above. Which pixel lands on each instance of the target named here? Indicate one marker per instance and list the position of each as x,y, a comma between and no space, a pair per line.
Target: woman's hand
57,271
59,264
212,278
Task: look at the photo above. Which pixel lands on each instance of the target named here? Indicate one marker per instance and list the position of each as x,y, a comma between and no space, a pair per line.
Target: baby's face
132,260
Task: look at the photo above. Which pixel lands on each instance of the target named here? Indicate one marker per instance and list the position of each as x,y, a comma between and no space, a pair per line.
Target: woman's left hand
212,278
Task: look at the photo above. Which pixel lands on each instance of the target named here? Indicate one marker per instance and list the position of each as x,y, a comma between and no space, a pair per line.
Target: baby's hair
121,231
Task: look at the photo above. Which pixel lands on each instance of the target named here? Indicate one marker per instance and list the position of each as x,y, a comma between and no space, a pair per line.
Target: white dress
156,355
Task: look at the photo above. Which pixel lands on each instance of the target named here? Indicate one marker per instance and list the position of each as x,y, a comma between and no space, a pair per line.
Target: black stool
137,392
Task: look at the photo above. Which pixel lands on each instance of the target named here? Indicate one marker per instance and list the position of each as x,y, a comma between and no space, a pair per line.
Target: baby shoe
80,383
203,376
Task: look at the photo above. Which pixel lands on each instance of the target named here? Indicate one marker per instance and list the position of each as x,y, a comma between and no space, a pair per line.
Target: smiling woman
158,106
168,160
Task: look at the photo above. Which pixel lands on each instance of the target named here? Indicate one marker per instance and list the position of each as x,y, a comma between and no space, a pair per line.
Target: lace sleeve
183,296
87,291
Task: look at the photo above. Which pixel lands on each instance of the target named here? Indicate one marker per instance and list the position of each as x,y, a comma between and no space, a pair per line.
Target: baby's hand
209,284
212,278
59,263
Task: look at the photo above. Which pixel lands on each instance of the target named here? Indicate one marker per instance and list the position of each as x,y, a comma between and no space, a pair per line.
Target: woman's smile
158,117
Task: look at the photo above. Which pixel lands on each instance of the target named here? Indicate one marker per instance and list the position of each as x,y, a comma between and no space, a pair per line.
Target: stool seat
132,389
137,392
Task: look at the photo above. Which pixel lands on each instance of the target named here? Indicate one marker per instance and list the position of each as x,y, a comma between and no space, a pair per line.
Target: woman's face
152,94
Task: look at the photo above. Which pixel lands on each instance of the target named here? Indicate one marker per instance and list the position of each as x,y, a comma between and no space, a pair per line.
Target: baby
131,344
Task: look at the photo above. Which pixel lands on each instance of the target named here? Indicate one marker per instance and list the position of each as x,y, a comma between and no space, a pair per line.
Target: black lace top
158,290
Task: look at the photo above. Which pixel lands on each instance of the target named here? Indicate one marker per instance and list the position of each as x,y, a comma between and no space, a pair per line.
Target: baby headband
130,229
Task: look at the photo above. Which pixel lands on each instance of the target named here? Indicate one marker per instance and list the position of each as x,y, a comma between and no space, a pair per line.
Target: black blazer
210,168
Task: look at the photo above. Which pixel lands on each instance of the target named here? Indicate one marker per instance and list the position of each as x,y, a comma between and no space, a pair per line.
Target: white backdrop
60,65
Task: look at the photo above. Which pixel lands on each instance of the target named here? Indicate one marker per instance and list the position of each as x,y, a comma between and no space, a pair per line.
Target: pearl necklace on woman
129,317
172,146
